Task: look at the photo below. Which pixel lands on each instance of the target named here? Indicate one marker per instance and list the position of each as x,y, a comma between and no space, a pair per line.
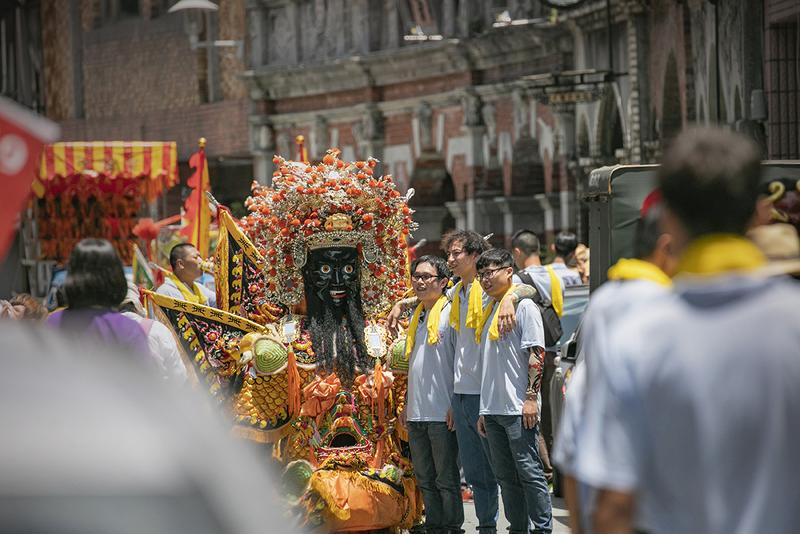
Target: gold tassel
380,392
293,382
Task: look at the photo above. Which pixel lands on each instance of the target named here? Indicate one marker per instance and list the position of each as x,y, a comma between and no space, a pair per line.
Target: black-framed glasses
488,273
424,277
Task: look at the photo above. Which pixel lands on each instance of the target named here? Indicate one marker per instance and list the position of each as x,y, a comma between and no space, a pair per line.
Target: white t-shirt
607,308
169,289
162,347
567,275
703,406
467,379
505,361
430,372
541,280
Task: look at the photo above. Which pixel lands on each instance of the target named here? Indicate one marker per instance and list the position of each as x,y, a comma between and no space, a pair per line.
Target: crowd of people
679,412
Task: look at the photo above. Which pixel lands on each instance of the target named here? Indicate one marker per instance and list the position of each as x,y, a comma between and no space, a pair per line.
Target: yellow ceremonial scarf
633,269
195,296
494,331
433,324
556,294
474,306
720,253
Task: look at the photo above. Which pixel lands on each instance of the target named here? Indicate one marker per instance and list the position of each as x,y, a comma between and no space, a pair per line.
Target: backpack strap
556,293
526,278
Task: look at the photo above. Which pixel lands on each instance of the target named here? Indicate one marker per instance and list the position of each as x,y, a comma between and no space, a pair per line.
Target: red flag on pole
197,214
22,135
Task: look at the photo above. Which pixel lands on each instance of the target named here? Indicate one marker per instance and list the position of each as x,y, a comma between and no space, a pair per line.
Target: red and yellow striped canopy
156,163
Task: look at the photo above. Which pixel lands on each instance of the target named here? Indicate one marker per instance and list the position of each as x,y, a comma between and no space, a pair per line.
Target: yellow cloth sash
556,294
633,269
494,331
473,308
195,296
720,253
433,324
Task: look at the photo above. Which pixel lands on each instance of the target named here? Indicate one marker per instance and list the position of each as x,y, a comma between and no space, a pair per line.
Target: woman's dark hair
95,276
436,262
499,257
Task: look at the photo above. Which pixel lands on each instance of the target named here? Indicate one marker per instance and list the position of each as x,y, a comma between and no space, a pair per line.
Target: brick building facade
124,70
494,111
433,90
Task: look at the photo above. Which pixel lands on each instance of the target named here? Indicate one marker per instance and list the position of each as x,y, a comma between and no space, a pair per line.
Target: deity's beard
339,331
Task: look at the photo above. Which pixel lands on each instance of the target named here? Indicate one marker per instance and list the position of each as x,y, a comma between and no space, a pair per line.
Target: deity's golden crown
331,204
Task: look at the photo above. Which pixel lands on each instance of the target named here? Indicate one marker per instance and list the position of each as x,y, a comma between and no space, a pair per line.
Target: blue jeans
514,455
472,453
434,450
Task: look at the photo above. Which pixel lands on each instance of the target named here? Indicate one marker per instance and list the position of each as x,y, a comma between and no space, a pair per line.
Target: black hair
473,242
436,262
566,243
527,241
647,233
710,179
95,276
497,256
178,252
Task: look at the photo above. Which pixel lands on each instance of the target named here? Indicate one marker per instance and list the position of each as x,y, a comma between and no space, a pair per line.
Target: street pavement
560,518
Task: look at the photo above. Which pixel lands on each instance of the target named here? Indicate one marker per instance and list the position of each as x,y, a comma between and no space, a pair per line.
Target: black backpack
550,319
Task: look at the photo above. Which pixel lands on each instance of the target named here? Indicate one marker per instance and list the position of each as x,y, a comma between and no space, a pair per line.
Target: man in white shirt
632,283
704,369
186,261
430,348
525,250
510,383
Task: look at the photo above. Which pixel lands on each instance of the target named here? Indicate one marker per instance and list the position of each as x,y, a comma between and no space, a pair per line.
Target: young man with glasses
510,382
430,348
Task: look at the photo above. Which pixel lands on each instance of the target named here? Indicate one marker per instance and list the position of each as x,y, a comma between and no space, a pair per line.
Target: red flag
22,135
197,214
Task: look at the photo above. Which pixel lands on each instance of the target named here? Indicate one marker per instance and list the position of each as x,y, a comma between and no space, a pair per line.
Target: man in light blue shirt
430,347
525,249
700,434
632,283
509,405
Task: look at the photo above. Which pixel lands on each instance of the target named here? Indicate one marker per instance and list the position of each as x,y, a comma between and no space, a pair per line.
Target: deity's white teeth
337,293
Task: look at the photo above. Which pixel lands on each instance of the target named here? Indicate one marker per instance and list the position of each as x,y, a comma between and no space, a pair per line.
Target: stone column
637,69
262,146
459,212
257,33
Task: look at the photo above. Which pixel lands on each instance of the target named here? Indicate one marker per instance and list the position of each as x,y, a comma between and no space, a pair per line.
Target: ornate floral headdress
332,204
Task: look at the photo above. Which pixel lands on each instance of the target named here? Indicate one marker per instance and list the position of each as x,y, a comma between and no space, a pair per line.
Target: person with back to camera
632,282
703,369
95,286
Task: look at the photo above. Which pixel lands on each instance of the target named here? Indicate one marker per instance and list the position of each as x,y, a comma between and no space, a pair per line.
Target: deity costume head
299,351
784,194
